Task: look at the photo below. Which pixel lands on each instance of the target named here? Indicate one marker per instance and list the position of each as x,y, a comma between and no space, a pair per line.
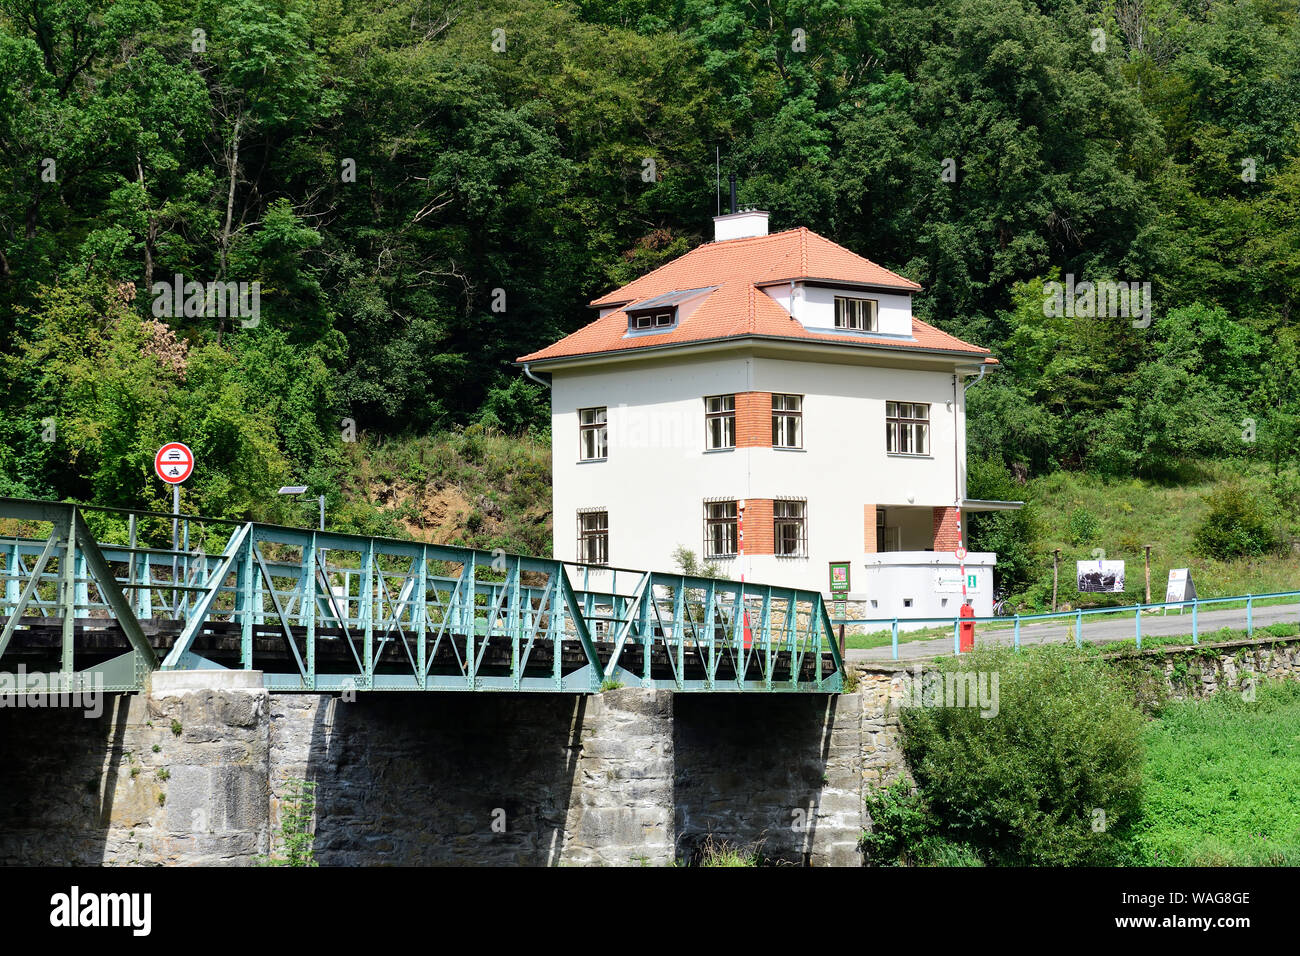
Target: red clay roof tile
736,307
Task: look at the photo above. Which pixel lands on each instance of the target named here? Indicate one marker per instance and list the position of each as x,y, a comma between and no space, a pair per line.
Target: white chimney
740,225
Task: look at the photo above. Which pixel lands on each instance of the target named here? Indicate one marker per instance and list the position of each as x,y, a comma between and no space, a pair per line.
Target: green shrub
692,566
516,407
1083,526
297,838
899,820
1053,778
904,832
1237,525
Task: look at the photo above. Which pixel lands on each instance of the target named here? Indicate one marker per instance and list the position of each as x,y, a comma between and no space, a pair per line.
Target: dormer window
657,319
856,314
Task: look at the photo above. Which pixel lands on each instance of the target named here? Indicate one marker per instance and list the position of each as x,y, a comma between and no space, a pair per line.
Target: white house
770,403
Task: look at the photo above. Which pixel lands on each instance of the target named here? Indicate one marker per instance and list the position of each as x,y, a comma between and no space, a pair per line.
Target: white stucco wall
889,581
658,473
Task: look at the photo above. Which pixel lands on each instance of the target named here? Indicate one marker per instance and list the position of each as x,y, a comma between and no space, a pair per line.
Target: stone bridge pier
196,771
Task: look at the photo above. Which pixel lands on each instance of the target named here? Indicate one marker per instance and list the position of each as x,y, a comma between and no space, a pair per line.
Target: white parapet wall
922,584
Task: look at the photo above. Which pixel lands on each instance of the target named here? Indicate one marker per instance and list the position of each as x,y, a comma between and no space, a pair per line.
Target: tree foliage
426,189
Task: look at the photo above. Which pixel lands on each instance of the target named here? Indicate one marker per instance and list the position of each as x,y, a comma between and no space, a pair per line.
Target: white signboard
949,581
1180,587
1100,576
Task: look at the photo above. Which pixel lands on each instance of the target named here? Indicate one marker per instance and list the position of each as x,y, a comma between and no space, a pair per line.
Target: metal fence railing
1014,623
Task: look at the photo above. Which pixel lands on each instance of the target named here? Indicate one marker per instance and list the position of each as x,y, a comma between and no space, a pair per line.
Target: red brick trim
947,533
754,420
869,543
760,529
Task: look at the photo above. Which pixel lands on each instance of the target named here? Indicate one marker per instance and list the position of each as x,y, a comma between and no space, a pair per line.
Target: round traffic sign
961,553
174,462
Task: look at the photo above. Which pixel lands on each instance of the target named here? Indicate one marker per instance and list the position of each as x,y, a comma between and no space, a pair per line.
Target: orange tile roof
737,307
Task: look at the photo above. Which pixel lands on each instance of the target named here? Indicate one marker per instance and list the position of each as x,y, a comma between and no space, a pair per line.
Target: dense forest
425,189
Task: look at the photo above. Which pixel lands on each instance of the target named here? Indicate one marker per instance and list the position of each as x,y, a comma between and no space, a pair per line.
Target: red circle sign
961,553
174,462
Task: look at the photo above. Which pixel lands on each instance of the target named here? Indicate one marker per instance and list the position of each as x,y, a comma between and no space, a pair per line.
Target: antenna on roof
718,169
734,208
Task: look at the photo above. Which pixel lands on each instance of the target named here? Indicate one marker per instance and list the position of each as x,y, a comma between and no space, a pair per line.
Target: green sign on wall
840,577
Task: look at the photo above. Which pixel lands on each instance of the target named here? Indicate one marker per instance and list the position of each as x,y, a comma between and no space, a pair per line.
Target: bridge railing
329,611
159,580
1077,617
743,628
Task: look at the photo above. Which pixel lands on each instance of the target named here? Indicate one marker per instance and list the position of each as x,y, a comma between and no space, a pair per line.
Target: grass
721,853
1222,782
1127,514
866,641
1280,629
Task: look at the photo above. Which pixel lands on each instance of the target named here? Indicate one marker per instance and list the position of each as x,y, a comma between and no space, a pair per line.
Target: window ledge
591,461
787,448
657,330
714,451
903,454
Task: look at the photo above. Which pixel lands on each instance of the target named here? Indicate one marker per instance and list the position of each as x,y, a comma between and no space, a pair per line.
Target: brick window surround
869,543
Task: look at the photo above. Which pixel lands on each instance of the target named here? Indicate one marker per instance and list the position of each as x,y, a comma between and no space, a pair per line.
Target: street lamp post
302,490
294,490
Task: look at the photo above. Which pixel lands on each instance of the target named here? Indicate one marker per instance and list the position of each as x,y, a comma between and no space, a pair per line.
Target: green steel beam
180,654
51,545
112,593
651,611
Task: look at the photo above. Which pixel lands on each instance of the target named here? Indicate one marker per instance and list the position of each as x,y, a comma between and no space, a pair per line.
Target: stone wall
173,777
188,774
191,775
627,776
495,779
1198,672
778,774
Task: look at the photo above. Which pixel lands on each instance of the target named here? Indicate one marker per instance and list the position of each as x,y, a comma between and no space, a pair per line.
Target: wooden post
1056,557
1148,572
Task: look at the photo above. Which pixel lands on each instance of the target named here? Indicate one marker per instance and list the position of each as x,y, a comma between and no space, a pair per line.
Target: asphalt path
1096,629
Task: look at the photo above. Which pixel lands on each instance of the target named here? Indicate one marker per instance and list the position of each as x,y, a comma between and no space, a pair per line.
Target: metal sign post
839,574
174,463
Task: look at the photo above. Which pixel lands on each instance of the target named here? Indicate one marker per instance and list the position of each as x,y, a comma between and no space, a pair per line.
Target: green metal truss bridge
97,598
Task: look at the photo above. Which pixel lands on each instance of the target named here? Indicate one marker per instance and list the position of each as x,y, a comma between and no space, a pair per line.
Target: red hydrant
967,629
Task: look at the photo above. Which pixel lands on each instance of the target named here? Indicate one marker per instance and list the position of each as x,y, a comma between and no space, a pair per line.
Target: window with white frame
787,421
593,434
790,526
593,537
907,428
642,321
720,421
857,314
720,536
